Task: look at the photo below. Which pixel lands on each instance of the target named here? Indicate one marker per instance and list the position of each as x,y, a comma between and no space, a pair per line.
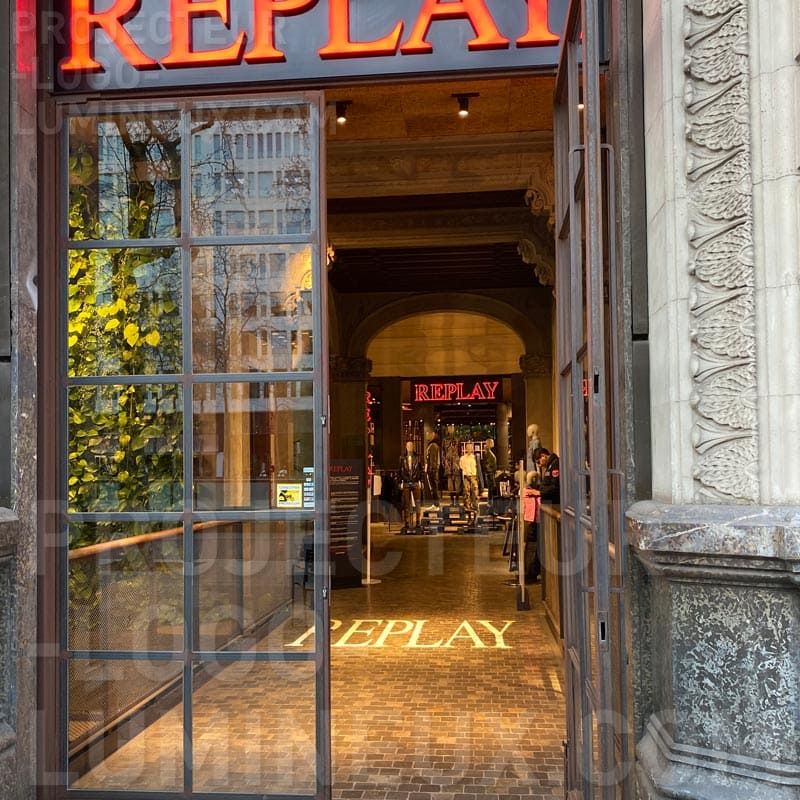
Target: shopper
550,480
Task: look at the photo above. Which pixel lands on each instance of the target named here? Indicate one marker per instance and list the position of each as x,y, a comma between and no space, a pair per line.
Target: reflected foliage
125,448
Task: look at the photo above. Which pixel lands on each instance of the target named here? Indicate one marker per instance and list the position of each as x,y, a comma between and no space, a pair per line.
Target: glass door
194,444
592,480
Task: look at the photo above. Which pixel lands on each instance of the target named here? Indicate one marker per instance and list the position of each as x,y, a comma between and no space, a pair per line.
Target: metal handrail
132,541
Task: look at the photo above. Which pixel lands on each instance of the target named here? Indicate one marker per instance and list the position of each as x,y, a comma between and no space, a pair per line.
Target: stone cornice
432,228
722,299
761,536
440,165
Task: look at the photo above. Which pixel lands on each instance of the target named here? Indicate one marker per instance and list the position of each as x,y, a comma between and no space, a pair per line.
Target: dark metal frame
592,488
54,517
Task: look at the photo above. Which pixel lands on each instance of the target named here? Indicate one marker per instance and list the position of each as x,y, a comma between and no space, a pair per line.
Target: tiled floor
441,690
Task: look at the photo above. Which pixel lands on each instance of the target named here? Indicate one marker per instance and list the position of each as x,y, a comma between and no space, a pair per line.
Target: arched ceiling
445,343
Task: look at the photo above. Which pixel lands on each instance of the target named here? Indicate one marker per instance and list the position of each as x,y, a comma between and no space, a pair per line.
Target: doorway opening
442,312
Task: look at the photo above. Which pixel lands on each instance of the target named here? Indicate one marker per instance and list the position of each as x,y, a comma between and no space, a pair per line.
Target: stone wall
18,530
717,583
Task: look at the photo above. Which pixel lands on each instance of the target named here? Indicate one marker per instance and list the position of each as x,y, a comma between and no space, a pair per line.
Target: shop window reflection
248,439
124,177
246,295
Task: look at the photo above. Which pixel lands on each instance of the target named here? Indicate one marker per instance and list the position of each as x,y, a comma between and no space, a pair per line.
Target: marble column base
665,769
717,651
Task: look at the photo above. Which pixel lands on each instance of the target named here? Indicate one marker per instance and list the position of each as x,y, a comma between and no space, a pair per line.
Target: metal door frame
592,484
53,673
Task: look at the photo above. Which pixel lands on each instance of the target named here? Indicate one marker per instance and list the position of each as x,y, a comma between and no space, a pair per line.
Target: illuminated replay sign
119,44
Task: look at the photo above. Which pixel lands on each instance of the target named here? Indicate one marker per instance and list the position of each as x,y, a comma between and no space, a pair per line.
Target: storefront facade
670,368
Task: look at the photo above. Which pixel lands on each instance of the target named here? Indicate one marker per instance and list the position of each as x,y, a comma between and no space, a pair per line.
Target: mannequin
452,470
534,443
432,462
469,473
490,467
411,477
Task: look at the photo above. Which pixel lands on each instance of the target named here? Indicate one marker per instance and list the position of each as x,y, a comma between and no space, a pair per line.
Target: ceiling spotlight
463,102
581,106
341,110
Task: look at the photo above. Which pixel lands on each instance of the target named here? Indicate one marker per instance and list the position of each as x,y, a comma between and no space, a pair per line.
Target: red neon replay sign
253,40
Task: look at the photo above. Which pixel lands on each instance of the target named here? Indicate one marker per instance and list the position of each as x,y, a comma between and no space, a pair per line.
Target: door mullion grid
598,456
321,450
576,445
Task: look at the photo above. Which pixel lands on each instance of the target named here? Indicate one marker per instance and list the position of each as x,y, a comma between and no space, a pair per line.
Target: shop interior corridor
481,715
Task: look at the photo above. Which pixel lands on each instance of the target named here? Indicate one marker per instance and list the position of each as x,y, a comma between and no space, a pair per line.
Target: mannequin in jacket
534,443
412,475
452,470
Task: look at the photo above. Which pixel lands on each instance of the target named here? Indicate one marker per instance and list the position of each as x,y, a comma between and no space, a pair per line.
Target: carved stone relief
541,194
720,190
345,368
543,263
536,365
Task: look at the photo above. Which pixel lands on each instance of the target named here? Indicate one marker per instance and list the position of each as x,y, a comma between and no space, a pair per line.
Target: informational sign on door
347,518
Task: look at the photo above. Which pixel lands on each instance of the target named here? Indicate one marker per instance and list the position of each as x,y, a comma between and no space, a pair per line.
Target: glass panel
125,448
125,586
124,312
124,176
254,728
255,585
251,171
251,309
126,725
253,444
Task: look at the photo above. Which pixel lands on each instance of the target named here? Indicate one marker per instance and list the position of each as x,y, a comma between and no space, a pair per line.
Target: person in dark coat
550,480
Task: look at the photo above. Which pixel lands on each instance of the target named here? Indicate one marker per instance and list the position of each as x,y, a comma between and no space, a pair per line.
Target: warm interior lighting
463,103
341,110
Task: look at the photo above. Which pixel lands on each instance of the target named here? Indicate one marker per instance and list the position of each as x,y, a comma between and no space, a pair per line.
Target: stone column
715,581
501,445
537,372
348,406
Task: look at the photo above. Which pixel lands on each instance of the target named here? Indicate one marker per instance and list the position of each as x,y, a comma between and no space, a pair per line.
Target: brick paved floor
480,717
451,723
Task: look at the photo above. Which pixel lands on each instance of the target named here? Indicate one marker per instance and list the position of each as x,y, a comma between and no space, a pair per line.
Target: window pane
124,176
126,586
254,728
125,725
221,163
251,309
252,443
124,312
255,585
125,448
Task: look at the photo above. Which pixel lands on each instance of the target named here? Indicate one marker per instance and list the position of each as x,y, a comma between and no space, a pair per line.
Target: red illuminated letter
265,11
538,34
487,37
83,21
340,45
182,14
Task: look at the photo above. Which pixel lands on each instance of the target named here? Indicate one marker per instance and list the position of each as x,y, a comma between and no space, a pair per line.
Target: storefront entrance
208,279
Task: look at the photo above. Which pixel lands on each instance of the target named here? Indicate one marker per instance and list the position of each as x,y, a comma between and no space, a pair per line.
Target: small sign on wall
289,495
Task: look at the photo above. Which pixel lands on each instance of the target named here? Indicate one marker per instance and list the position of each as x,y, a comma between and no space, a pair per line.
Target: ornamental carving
345,368
722,301
543,265
541,194
536,365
